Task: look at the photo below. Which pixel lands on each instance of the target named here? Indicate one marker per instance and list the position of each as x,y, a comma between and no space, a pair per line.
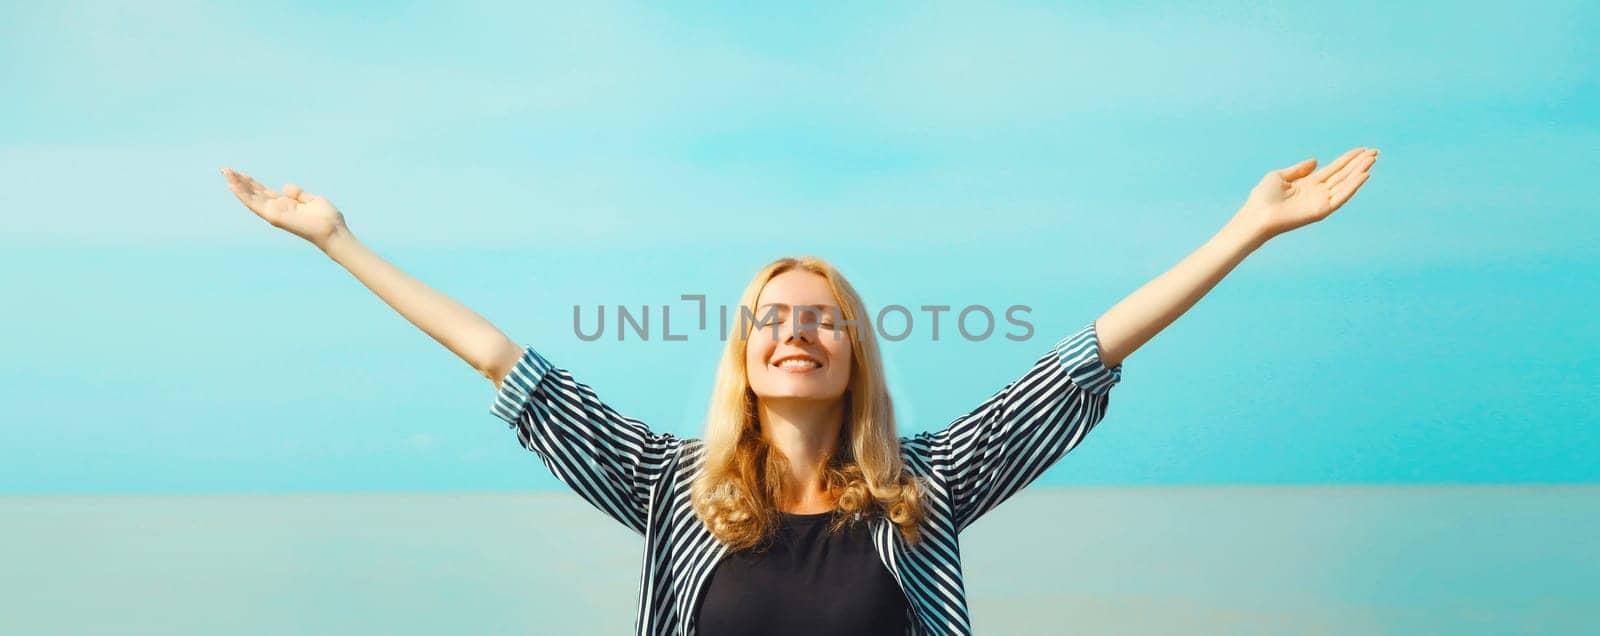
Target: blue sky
524,159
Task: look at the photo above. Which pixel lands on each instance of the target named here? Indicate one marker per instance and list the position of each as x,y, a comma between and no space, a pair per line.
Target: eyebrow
788,306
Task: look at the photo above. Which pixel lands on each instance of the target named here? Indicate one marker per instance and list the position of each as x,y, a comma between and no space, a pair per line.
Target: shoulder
690,453
917,453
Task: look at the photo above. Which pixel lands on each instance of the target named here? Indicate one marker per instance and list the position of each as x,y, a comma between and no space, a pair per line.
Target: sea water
1139,560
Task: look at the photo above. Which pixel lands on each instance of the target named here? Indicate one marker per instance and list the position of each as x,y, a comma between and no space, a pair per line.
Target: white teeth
796,362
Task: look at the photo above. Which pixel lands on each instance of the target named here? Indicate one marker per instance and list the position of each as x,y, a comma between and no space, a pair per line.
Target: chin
800,395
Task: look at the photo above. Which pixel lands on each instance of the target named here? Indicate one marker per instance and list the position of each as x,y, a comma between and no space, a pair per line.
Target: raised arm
986,456
612,461
313,218
1283,200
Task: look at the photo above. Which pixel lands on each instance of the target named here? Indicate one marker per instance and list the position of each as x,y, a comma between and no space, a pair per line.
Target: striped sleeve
611,460
986,456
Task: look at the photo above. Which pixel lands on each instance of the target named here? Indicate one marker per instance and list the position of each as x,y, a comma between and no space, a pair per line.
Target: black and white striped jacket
642,478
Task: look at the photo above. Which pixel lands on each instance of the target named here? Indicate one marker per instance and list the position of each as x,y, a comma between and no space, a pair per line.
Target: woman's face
809,355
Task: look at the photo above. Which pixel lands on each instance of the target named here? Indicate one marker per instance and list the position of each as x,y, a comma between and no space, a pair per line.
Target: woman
801,511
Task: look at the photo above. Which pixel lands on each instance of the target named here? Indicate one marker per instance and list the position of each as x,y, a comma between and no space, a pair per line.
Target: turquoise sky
160,338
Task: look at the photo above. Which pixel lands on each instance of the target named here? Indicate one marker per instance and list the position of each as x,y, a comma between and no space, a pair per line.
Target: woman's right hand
301,213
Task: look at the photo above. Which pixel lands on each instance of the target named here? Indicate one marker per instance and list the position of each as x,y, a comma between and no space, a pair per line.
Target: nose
800,331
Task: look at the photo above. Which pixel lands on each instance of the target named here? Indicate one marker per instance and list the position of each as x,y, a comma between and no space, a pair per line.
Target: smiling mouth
797,364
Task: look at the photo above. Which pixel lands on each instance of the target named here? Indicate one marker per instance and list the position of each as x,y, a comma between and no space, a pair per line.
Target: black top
805,581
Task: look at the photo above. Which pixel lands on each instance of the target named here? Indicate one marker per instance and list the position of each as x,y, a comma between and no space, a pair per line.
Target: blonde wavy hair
743,476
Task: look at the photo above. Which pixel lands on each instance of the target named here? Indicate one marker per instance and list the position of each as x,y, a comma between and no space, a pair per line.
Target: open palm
301,213
1293,197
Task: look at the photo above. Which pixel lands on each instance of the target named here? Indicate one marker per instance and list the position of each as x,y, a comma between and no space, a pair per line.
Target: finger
239,193
258,193
251,200
234,183
294,192
1297,170
1343,160
1342,194
254,195
256,186
1354,167
251,185
237,185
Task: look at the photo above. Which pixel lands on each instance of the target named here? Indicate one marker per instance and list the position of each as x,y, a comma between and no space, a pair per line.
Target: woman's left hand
1293,197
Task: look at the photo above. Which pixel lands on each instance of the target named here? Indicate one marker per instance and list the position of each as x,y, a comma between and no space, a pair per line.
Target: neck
806,432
